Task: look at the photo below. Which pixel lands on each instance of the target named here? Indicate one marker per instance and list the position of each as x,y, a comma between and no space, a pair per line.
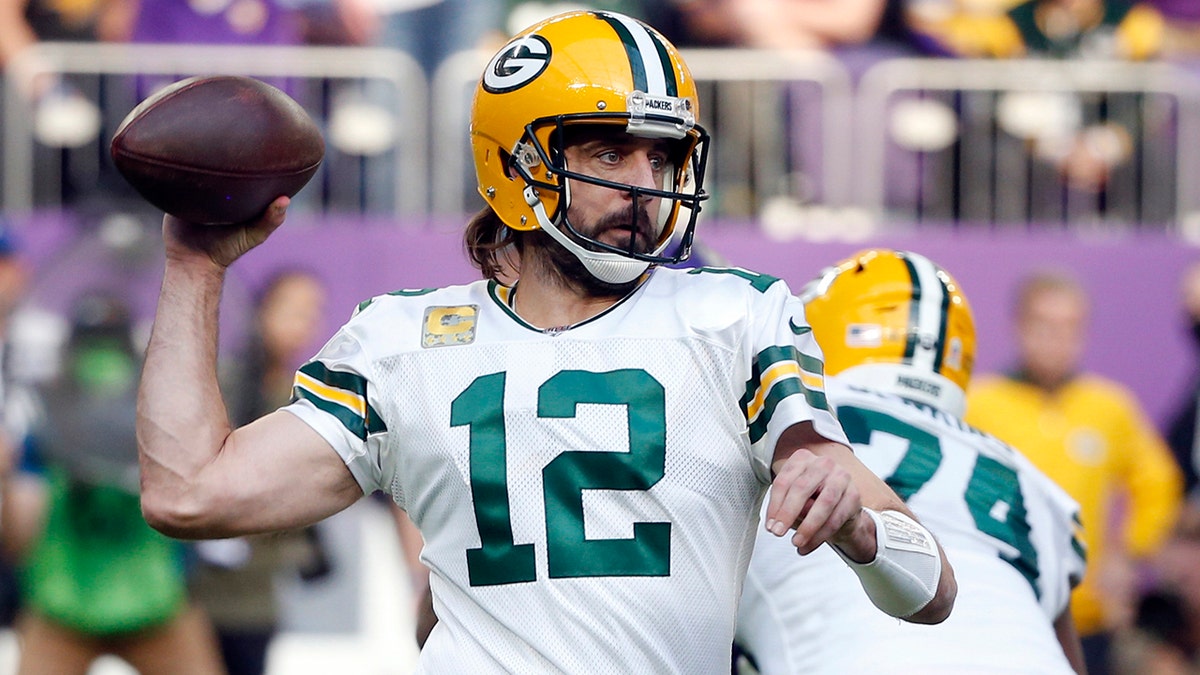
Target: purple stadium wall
1137,333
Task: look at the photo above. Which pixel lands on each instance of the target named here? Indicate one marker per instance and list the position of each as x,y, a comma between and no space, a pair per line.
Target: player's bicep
277,473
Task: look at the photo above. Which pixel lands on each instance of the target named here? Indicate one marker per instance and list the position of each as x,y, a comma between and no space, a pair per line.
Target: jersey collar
505,296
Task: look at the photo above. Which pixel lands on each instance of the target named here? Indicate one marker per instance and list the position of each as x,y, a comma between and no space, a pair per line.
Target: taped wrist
904,575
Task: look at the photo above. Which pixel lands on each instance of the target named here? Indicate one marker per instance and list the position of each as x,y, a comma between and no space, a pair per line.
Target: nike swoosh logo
798,330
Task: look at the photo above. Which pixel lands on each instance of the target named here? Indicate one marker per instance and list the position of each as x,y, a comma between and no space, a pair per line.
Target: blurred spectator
14,278
1165,639
24,23
349,23
431,30
1091,437
61,114
1181,29
783,24
1097,135
667,16
1047,28
1108,133
1181,431
799,173
1122,29
218,22
95,579
235,579
227,22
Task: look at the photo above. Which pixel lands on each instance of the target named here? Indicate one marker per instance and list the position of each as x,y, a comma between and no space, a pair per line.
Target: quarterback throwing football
584,437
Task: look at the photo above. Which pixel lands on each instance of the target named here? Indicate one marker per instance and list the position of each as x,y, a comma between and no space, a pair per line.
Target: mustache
636,221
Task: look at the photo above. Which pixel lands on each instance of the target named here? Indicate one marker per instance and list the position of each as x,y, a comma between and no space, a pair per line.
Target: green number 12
499,560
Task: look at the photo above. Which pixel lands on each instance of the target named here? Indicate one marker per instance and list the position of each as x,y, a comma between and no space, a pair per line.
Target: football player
583,438
898,339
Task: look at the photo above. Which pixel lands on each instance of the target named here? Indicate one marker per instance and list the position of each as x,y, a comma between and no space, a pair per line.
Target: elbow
938,609
175,515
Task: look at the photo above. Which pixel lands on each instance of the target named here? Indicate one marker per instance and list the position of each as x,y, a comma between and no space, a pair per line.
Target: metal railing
756,103
1076,143
347,91
913,140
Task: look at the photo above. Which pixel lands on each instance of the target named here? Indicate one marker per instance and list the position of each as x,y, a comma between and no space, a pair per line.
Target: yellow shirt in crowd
1091,437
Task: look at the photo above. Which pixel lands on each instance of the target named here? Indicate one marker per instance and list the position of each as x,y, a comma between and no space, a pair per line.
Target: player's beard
570,271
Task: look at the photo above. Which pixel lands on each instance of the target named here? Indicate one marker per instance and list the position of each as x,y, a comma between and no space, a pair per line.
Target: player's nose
642,172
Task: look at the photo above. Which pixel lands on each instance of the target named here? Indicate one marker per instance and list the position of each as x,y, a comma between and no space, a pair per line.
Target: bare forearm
181,420
201,478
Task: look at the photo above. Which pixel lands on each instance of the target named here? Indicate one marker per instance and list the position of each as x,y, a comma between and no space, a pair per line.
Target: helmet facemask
544,145
589,69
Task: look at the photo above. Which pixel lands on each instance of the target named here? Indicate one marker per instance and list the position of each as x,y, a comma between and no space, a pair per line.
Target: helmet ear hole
506,160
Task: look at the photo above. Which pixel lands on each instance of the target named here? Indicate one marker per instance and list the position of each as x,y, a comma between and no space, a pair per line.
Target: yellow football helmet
587,68
895,321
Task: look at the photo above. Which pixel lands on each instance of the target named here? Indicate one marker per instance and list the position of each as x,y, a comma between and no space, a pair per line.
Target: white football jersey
1007,530
588,495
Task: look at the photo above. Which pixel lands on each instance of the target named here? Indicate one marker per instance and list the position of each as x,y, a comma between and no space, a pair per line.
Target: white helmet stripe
647,53
928,315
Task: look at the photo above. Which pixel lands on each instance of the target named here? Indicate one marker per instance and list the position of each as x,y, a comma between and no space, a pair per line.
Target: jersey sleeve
1063,556
787,374
333,393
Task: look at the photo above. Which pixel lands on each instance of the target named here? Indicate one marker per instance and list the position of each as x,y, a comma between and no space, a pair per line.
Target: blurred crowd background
1004,138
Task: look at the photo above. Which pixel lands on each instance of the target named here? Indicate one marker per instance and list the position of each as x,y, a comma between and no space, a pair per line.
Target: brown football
217,150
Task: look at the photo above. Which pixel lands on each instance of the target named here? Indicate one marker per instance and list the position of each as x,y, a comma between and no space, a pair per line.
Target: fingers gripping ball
217,150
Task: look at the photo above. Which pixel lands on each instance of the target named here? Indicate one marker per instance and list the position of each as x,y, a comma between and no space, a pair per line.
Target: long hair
491,245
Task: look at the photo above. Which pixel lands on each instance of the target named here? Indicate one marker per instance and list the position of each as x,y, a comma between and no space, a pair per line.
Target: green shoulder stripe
342,391
759,282
780,388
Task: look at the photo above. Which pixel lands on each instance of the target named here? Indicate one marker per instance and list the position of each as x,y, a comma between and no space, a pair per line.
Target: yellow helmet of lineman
893,320
587,68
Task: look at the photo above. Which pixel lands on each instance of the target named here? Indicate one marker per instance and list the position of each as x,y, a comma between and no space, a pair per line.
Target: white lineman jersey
588,496
1007,530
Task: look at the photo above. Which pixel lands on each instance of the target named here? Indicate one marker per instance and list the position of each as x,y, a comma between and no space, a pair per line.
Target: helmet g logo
517,64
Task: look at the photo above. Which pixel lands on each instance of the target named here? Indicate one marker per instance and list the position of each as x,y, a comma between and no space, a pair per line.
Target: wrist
196,266
857,539
902,577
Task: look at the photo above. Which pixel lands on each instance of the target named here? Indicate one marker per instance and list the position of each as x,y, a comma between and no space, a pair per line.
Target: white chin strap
611,268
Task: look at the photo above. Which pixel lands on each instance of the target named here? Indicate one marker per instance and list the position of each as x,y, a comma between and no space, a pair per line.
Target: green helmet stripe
649,62
665,59
927,314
